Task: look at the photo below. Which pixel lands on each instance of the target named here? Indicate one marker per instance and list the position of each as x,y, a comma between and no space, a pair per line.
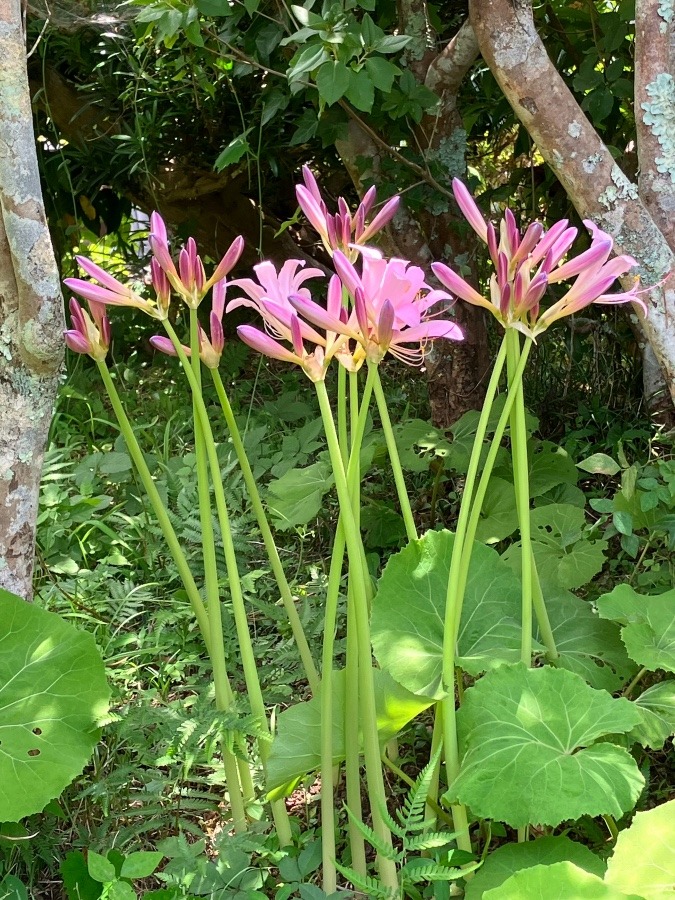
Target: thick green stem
357,843
376,791
521,480
399,480
229,761
268,539
343,434
256,700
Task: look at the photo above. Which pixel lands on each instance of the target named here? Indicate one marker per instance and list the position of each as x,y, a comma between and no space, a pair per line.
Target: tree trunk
31,314
568,142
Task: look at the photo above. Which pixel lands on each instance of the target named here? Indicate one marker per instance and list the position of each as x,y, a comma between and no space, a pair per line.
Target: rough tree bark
566,139
455,372
31,314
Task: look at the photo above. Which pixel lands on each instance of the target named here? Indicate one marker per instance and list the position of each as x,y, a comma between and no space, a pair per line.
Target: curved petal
263,343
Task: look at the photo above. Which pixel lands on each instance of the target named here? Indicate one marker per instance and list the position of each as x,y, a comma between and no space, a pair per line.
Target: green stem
376,791
640,675
394,459
521,482
229,761
343,435
357,843
268,539
256,700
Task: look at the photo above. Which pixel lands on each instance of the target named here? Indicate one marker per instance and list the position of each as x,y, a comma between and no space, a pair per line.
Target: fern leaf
382,848
412,815
429,841
418,870
371,887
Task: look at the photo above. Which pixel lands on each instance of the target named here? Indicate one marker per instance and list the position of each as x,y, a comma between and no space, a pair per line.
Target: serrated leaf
332,81
657,708
560,881
297,496
409,609
644,856
588,645
511,858
53,693
648,625
527,739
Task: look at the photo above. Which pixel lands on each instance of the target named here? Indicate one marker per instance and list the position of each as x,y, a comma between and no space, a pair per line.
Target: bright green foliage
407,622
657,708
53,694
648,625
644,857
298,495
560,881
296,749
587,645
512,858
530,756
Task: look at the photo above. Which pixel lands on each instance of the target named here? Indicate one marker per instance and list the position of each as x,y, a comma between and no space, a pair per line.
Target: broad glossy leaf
296,749
648,625
499,517
511,858
560,881
409,608
53,692
332,81
529,755
644,856
587,644
657,708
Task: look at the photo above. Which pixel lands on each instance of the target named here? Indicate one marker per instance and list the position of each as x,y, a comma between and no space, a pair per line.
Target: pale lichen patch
590,164
660,117
574,129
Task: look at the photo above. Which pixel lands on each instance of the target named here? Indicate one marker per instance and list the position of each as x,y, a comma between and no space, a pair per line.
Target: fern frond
382,848
418,870
411,816
429,841
371,887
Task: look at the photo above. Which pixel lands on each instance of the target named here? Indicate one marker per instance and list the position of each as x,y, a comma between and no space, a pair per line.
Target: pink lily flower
190,279
89,335
342,231
165,345
313,363
526,265
109,290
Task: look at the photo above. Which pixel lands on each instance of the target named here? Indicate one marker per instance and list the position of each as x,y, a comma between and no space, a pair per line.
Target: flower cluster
525,265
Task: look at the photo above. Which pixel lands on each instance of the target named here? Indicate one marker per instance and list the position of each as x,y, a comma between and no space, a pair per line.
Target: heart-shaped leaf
560,881
648,625
511,858
657,708
53,692
409,608
644,856
528,747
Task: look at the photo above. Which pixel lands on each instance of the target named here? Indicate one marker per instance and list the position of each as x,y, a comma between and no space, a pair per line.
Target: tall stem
376,791
268,539
229,761
399,480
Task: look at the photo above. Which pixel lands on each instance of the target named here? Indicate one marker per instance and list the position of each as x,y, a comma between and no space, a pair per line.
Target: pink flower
91,337
525,266
313,363
190,279
342,231
109,290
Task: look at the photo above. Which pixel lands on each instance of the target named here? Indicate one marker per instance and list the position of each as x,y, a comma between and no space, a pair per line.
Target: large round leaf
53,692
511,858
560,881
409,608
657,708
529,755
648,625
644,856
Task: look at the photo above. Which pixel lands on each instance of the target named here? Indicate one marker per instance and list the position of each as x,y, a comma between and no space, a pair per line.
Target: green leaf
418,443
392,43
11,888
528,749
121,890
298,495
600,464
381,72
77,881
361,90
100,868
560,881
588,646
657,708
53,692
332,81
140,864
623,522
296,749
409,608
550,466
499,517
511,858
648,622
644,856
560,546
233,152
